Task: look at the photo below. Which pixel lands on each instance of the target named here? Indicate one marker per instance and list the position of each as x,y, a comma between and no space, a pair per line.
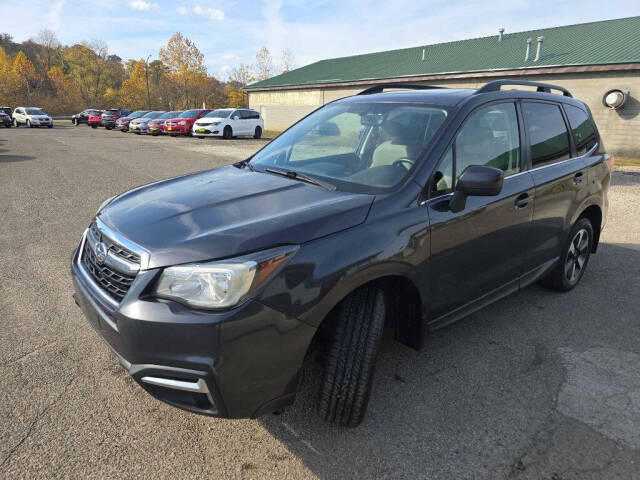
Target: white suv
31,117
229,123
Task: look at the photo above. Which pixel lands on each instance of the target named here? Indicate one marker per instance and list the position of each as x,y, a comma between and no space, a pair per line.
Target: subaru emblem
101,252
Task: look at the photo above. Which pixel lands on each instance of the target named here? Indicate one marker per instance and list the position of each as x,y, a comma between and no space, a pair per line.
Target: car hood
209,120
228,211
141,120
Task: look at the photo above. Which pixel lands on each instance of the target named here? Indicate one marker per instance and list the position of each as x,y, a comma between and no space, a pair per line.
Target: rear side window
582,129
548,134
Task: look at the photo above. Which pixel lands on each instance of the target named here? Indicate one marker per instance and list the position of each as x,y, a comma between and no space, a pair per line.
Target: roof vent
423,54
526,55
500,33
539,49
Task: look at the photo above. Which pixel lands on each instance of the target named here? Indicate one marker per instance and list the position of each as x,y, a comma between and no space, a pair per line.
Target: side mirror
476,180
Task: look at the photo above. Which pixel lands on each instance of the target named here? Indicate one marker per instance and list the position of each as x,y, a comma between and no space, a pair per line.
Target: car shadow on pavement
15,158
481,393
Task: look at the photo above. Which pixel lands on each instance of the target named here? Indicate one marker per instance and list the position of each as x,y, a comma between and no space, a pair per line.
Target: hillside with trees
66,79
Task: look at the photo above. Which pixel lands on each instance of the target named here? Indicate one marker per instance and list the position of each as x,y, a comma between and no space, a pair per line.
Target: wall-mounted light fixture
615,99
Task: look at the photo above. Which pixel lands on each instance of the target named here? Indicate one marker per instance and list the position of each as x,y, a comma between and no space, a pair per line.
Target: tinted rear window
548,134
582,129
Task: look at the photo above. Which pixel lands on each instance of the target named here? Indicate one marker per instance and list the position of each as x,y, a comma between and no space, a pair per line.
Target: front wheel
28,124
15,123
75,122
257,133
573,261
353,346
227,133
94,126
49,126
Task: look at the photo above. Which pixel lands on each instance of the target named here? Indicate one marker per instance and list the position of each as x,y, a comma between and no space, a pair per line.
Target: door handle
523,200
577,178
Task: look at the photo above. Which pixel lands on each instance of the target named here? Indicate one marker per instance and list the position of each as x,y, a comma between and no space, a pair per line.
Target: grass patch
269,134
626,162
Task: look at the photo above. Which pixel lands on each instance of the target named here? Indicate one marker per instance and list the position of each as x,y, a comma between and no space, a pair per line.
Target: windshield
153,114
365,147
219,113
190,114
137,114
34,111
170,115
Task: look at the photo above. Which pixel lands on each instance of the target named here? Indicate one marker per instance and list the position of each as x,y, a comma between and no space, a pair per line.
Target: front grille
115,283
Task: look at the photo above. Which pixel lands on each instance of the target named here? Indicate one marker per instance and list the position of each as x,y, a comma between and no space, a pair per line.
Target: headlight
182,122
215,123
105,203
221,284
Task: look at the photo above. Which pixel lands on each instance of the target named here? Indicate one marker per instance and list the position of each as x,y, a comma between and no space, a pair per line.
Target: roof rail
408,86
542,87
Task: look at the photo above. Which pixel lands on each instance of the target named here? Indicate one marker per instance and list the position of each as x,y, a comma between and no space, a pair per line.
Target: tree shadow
480,391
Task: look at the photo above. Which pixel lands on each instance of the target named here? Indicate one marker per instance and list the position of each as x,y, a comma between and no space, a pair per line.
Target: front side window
489,137
35,111
220,113
357,146
548,134
582,129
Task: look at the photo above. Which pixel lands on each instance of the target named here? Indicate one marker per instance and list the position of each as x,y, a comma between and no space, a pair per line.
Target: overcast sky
229,32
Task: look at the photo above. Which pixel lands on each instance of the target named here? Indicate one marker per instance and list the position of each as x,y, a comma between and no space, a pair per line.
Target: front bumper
41,123
236,364
137,128
176,130
207,131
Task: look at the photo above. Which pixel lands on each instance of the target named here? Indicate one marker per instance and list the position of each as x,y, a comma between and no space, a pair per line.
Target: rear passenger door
480,250
560,182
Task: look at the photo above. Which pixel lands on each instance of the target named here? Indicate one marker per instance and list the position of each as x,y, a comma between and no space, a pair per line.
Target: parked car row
201,123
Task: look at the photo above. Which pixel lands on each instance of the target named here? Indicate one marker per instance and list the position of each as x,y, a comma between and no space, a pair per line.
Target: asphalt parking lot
538,386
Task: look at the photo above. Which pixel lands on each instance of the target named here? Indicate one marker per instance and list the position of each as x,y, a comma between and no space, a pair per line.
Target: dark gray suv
409,208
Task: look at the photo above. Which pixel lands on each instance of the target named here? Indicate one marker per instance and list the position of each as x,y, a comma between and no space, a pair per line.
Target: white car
229,123
31,117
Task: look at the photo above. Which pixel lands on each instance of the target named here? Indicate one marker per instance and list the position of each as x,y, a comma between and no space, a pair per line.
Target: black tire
109,128
348,372
258,133
7,125
94,126
49,126
227,133
16,123
28,124
574,259
75,122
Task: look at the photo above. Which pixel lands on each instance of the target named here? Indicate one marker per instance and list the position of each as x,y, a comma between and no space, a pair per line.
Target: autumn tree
263,67
25,77
185,64
241,74
134,89
287,61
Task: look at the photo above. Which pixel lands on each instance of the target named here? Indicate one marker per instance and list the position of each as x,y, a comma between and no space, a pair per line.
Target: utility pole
146,74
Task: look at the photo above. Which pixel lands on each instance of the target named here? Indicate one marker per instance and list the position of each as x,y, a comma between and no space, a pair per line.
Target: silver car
139,125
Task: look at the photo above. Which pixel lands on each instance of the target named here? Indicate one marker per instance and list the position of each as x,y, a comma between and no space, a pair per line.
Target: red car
182,124
154,127
95,118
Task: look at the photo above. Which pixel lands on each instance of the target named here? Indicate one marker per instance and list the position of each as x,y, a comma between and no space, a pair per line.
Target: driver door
478,253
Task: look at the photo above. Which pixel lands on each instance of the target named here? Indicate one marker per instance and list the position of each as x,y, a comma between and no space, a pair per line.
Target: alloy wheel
577,256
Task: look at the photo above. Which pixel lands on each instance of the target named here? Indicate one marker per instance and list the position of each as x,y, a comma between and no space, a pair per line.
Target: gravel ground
538,386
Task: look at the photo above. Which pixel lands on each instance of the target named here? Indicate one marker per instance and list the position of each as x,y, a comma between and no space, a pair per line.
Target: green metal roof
596,43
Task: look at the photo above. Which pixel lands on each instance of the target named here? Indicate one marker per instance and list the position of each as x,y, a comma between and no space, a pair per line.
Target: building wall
620,129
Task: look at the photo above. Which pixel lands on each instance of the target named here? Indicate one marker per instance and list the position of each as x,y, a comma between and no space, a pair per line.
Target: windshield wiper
301,176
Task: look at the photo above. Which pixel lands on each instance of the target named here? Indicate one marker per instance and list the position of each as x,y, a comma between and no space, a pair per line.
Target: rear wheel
227,133
353,346
573,261
257,133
